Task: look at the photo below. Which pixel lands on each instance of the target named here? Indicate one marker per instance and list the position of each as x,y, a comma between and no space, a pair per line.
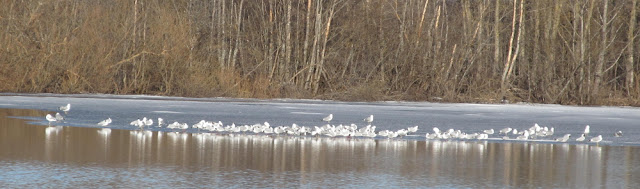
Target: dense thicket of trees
560,51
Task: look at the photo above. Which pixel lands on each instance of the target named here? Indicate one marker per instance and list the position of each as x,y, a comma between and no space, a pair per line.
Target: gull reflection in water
140,144
276,153
454,157
52,130
524,164
52,135
141,137
104,134
589,166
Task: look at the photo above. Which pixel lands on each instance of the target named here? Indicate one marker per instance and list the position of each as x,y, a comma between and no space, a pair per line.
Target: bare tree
631,48
603,50
508,67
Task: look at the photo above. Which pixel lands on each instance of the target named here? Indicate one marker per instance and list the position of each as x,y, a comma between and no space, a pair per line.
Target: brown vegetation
564,51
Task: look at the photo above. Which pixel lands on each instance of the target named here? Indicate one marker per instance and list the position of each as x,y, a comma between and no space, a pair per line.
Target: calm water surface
63,156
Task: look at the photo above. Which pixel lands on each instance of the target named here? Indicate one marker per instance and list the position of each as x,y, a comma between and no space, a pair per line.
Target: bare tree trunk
325,35
507,65
536,58
222,50
603,51
383,44
496,36
630,48
402,33
549,70
238,40
305,47
267,35
480,37
288,43
585,25
143,77
518,41
419,31
135,23
135,45
313,61
212,31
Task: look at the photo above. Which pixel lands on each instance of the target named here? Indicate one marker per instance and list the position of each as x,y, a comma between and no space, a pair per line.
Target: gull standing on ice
65,109
505,131
490,131
412,129
369,119
59,117
138,123
524,135
105,122
436,130
597,139
586,130
564,138
617,134
581,138
147,122
160,122
328,118
50,118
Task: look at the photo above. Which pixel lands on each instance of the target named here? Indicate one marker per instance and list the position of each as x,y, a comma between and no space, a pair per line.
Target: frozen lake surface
87,110
77,152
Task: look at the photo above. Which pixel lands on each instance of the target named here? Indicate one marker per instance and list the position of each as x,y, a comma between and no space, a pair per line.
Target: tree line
561,51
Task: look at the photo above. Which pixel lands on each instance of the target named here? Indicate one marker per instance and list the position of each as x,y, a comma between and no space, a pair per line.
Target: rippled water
63,156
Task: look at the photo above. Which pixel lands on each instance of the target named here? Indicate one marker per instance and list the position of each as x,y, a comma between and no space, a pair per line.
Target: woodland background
542,51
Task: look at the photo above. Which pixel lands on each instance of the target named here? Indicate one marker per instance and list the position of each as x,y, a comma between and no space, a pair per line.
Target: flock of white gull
352,130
